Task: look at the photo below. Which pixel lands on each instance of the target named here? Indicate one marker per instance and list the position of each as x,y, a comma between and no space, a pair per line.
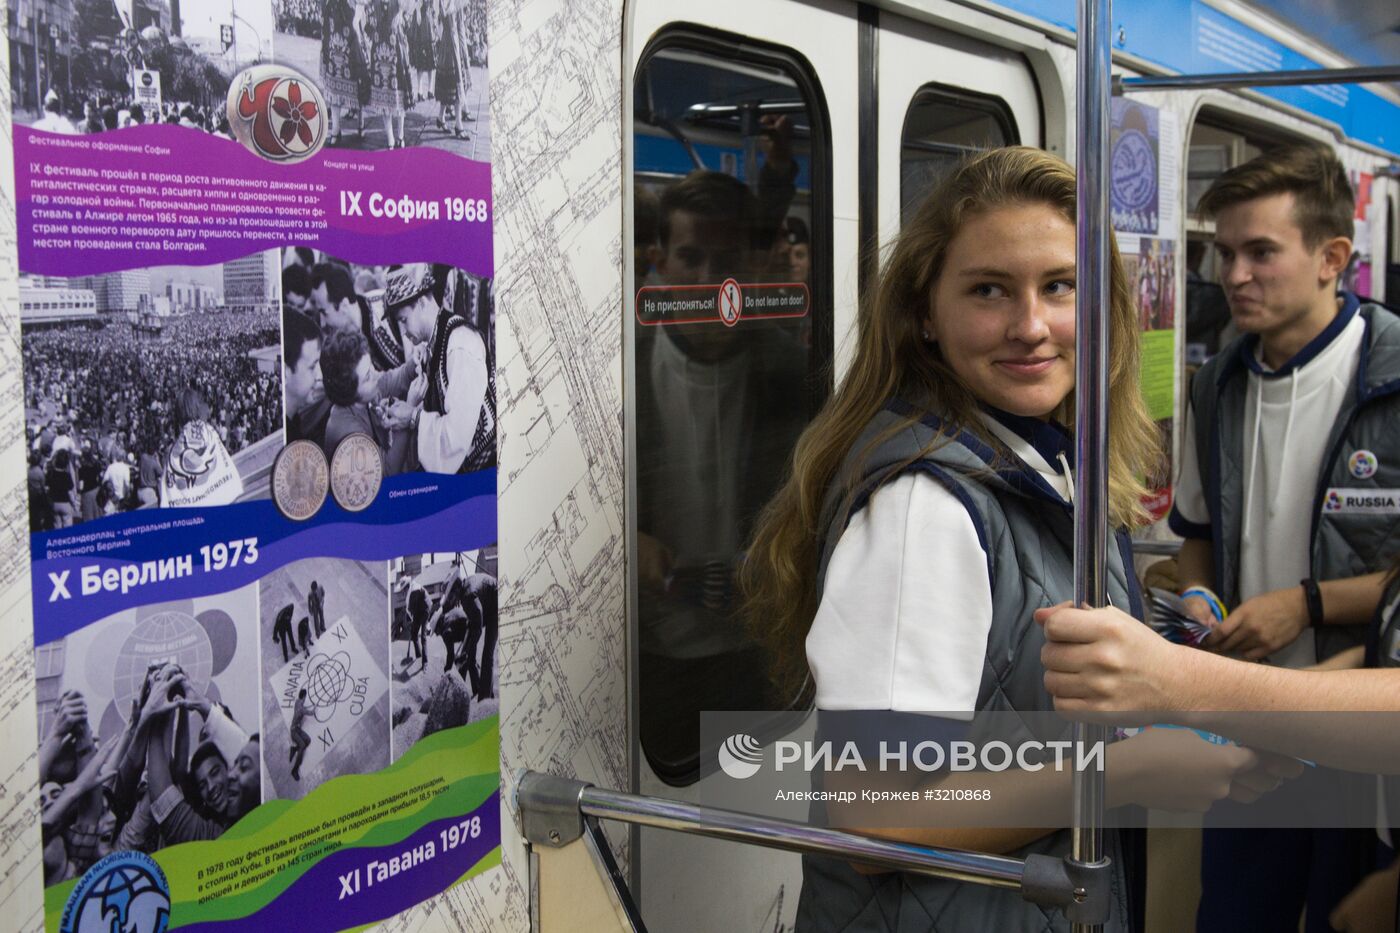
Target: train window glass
941,126
732,341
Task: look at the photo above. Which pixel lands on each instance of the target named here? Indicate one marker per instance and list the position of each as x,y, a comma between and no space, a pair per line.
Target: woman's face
1002,312
368,378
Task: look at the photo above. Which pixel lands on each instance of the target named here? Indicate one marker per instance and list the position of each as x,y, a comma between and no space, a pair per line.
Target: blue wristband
1217,608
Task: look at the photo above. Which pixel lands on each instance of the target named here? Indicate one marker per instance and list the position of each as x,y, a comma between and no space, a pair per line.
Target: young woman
352,387
929,515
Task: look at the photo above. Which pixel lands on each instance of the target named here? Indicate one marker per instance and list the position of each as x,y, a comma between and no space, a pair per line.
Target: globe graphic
328,682
128,894
167,636
125,881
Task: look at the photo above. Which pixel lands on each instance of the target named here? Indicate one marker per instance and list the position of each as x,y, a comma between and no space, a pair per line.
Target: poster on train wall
257,325
1144,193
1358,274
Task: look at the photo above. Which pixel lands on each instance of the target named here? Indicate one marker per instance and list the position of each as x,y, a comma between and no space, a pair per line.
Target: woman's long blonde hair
779,575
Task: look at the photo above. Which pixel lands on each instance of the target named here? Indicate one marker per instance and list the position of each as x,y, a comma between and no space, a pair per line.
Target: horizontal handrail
1157,548
995,870
552,810
1234,79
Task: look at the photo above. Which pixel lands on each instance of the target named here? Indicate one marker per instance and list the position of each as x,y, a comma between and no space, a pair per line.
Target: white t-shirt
907,603
1287,420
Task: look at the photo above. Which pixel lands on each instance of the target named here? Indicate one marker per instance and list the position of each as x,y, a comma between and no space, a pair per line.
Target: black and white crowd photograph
395,73
149,730
150,388
403,354
442,642
100,65
325,673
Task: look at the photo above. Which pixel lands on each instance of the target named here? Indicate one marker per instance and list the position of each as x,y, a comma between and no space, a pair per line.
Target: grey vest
1027,533
1383,639
1345,541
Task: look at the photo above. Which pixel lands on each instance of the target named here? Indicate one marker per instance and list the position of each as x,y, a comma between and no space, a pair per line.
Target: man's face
48,794
703,250
417,320
344,316
304,385
296,301
1271,277
211,777
245,780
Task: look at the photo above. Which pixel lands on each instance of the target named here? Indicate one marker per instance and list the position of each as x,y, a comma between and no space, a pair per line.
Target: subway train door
941,96
743,142
742,168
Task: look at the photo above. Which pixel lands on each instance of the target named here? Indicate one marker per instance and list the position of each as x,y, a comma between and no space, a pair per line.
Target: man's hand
1176,769
1200,610
775,140
654,563
72,713
1104,660
160,702
397,414
1262,625
1370,905
418,390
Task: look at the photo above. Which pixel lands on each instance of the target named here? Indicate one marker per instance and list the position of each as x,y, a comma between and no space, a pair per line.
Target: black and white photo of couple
403,354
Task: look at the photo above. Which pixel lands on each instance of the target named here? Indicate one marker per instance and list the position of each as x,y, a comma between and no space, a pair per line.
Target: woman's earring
928,338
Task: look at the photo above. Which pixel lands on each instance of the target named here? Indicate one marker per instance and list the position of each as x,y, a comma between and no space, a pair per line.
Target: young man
307,407
716,420
456,424
1289,465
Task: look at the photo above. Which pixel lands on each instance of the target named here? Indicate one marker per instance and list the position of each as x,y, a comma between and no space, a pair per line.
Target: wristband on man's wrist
1217,607
1312,595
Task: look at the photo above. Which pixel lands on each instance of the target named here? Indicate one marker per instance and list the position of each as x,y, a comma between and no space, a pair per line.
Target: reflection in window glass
730,335
940,128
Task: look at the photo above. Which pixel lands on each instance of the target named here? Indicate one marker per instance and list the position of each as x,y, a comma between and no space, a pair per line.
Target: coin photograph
300,480
325,681
357,470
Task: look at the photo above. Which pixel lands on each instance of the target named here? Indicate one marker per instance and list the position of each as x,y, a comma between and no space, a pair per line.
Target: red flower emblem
296,113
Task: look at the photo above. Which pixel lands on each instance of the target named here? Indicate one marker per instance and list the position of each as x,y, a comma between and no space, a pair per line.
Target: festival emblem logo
1363,464
125,891
277,113
740,756
1333,503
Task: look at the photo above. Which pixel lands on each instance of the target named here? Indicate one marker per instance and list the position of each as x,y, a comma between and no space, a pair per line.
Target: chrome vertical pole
1091,378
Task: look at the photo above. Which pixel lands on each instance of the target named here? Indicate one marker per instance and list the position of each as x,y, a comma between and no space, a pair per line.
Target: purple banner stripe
313,902
466,525
195,196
